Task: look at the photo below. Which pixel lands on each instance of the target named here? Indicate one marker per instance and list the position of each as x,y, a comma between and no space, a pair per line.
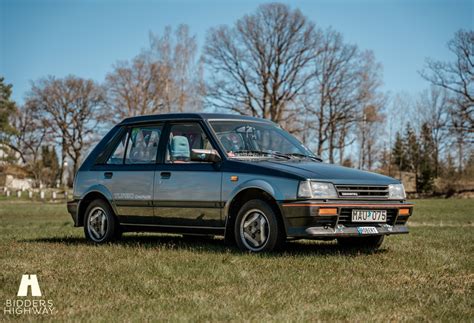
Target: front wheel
100,224
257,228
373,242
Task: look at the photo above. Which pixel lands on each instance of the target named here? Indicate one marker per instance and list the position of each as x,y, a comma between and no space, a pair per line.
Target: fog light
328,211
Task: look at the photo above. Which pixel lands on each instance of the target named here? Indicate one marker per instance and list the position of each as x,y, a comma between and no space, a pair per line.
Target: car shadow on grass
214,245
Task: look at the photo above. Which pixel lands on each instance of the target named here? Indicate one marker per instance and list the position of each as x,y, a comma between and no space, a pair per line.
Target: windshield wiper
263,153
305,156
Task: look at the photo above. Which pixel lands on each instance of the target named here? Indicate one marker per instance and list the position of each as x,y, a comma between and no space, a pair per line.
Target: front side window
242,138
183,139
142,145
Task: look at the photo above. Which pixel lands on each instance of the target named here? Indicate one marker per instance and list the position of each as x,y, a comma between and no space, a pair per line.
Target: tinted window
183,139
142,145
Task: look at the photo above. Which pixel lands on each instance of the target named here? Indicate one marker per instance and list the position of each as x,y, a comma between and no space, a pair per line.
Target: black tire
111,231
266,220
373,242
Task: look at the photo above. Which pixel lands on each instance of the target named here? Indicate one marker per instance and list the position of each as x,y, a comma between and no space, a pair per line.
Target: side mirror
205,155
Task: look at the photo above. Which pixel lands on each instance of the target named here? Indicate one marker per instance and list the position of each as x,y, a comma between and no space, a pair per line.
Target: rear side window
139,145
142,146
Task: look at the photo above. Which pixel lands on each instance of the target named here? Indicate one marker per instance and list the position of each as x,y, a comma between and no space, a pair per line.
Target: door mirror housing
205,155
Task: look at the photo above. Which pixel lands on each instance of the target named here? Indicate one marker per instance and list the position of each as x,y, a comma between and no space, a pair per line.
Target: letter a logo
29,281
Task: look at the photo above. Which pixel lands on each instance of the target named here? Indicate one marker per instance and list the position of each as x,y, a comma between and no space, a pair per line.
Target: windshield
243,138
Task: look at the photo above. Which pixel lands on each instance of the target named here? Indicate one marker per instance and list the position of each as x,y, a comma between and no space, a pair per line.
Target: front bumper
303,219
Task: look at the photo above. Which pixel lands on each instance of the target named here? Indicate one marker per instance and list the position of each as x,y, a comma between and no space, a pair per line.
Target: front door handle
108,175
165,175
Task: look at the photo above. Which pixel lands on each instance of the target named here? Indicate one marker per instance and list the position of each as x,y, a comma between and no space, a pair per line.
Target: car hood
329,172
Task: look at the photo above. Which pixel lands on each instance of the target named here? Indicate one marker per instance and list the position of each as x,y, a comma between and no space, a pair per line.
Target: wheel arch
90,196
245,194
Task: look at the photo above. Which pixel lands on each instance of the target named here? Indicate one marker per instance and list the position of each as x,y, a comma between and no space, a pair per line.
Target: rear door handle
165,175
108,175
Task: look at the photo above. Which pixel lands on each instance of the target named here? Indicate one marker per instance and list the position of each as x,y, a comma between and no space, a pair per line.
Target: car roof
188,116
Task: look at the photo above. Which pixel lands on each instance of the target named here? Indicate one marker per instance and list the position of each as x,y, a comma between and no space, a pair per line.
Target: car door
187,193
129,173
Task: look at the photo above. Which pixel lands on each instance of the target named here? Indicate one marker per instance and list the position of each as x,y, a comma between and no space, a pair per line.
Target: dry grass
426,275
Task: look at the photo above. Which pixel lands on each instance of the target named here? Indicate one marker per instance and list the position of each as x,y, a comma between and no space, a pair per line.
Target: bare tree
181,71
334,90
135,88
166,77
32,132
346,82
457,78
371,102
71,108
261,65
432,108
368,131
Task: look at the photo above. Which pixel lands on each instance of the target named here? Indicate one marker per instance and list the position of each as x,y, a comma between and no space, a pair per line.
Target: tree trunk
63,159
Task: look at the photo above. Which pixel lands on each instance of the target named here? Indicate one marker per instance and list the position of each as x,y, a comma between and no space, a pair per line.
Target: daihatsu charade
240,177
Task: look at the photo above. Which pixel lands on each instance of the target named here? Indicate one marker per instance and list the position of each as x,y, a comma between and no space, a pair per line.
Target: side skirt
127,227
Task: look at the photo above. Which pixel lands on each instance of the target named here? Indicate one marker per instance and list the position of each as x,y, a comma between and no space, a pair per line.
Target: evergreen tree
427,163
412,149
399,157
384,159
7,109
50,164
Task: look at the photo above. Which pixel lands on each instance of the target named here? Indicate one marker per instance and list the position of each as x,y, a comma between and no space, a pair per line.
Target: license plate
367,230
369,215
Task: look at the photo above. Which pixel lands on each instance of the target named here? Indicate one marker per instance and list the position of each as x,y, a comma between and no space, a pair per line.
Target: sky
85,37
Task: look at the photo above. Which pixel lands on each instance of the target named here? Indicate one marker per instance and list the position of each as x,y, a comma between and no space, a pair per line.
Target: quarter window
142,145
117,157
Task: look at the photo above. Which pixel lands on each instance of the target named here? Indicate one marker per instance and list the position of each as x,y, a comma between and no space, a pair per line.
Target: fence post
18,194
42,195
8,193
53,195
30,194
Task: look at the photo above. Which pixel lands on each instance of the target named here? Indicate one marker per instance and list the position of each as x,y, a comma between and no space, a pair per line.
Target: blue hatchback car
240,177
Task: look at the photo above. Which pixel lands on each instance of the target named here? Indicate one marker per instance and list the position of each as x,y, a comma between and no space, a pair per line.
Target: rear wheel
100,223
373,242
257,228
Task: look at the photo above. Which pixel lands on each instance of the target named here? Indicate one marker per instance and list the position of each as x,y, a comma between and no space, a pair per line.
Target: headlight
317,190
396,192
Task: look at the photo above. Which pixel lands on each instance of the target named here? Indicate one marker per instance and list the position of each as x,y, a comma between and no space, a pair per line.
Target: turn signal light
404,212
328,211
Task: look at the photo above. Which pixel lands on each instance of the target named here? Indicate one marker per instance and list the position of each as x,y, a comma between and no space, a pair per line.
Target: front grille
362,191
345,218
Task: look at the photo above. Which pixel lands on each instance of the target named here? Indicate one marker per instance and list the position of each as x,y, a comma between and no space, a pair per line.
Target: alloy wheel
97,224
254,230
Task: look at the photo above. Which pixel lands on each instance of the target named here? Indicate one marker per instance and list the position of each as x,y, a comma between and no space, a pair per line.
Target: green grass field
426,275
